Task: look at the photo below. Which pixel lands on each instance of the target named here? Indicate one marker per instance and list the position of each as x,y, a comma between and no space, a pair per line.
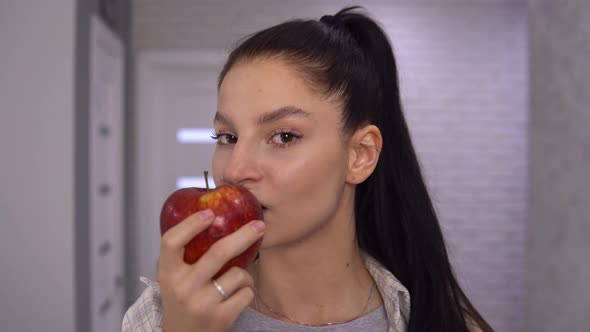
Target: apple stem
206,179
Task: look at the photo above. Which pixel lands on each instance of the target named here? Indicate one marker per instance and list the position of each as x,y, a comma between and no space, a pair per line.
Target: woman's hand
190,300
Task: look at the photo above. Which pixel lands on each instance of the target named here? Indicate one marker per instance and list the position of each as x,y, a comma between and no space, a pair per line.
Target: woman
309,120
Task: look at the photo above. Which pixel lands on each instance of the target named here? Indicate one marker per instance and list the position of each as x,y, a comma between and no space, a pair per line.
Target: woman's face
283,142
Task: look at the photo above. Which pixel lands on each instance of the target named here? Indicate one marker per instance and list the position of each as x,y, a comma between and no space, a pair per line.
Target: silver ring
219,289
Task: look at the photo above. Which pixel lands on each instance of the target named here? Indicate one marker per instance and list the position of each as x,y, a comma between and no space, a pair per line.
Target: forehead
261,85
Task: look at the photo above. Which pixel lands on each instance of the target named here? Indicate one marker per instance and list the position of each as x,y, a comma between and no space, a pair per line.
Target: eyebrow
276,115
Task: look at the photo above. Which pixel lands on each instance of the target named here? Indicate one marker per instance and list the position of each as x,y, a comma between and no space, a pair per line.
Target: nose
242,167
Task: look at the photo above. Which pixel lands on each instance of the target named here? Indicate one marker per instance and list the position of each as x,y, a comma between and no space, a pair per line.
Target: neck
305,280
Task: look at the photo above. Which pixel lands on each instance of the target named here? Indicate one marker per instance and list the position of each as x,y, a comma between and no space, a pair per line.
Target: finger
227,248
176,238
233,306
231,281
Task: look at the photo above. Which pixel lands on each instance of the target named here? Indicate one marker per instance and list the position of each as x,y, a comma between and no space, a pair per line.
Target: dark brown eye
284,138
231,139
224,139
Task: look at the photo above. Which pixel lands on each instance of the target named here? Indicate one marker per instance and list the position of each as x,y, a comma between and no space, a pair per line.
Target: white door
176,102
107,294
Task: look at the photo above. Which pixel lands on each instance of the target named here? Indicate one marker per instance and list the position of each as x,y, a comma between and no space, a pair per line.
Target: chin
269,239
281,231
277,238
266,218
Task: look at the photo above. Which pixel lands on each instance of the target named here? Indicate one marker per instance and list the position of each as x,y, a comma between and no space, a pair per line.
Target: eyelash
217,136
294,138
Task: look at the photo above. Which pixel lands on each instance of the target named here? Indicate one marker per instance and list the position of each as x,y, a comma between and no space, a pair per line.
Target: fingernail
258,226
205,214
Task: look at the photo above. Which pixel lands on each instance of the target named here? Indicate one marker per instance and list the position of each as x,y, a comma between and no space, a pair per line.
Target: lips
264,211
264,207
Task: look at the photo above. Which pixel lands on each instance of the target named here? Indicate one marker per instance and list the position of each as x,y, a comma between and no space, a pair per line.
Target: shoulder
146,313
396,297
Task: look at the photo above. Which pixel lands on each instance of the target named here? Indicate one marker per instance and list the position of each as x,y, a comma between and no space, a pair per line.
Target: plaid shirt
146,313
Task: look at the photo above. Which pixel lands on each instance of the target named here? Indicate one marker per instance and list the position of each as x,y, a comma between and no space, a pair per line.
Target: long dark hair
347,55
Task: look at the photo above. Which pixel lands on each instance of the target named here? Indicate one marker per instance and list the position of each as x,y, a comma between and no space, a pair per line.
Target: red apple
233,206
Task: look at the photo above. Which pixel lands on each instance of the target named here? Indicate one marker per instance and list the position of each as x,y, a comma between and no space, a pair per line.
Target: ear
364,150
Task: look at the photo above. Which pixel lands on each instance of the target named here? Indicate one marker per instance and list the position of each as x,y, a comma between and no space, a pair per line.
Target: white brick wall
463,71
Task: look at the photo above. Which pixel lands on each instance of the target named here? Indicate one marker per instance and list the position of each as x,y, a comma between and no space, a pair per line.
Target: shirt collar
396,296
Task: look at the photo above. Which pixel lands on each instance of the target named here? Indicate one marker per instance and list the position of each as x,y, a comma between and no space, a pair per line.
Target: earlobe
365,148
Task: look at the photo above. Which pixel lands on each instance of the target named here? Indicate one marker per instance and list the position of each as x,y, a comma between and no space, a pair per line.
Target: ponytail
396,221
348,55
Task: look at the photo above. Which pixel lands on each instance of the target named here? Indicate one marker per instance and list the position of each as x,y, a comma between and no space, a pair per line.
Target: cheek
305,193
307,184
305,173
218,161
